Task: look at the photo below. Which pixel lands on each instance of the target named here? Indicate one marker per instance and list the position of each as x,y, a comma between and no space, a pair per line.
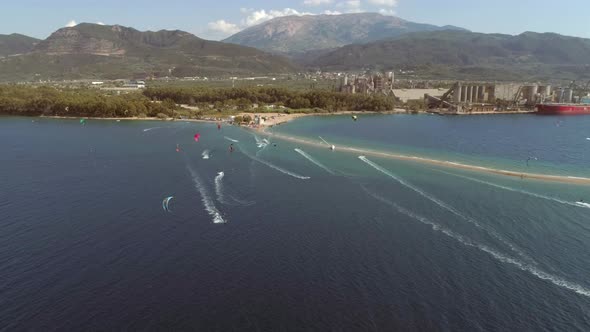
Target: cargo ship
562,109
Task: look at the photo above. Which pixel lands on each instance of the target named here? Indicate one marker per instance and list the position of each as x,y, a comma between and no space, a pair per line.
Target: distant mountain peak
295,34
90,50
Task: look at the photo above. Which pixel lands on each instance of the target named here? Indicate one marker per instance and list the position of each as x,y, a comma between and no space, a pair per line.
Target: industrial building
380,83
486,97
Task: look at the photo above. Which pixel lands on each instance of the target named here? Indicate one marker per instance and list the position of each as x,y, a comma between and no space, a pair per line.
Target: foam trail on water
446,207
261,143
549,198
219,187
231,139
275,167
317,163
556,280
205,197
241,202
149,129
323,140
219,191
205,154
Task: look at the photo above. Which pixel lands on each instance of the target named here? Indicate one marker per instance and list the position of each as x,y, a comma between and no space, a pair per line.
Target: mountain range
530,54
103,51
297,34
350,42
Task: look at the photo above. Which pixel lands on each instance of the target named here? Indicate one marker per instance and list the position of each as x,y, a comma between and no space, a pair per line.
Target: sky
219,19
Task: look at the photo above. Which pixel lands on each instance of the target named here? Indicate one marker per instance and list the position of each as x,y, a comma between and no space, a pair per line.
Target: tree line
161,101
51,101
251,97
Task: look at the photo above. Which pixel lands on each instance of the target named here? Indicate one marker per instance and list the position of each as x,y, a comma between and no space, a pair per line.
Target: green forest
259,97
161,101
50,101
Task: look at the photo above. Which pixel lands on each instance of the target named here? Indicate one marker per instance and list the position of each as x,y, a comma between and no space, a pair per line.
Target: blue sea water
305,240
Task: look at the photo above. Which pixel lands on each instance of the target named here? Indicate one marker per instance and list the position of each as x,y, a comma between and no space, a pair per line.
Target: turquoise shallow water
313,239
559,144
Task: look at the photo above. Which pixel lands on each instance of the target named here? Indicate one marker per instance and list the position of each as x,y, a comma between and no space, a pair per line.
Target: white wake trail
549,198
315,162
261,143
219,187
205,154
275,167
446,207
323,140
231,139
205,197
150,129
556,280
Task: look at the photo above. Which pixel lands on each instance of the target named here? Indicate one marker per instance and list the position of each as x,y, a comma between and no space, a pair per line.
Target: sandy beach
274,119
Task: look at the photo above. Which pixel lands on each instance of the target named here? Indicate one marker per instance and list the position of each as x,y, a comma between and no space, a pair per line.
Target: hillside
16,44
466,52
102,51
295,34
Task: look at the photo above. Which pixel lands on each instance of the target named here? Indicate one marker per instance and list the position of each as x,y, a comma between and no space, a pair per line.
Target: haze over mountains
296,34
330,43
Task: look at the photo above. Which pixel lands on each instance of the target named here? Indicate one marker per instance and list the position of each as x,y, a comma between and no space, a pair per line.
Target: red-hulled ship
563,109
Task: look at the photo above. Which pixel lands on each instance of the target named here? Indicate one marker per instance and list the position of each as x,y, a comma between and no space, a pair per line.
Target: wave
556,280
317,163
150,129
205,154
231,139
549,198
275,167
205,197
446,207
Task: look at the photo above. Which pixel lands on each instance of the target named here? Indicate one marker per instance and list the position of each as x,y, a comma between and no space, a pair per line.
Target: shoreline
444,163
119,119
281,118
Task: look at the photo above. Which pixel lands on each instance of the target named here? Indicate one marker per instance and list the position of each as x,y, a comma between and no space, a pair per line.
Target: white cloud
386,3
258,16
223,27
71,23
316,2
387,12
